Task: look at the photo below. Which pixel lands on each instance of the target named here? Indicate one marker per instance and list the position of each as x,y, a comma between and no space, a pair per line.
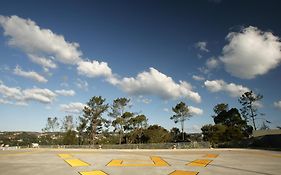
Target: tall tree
249,109
81,128
220,107
93,113
67,123
118,109
52,124
182,113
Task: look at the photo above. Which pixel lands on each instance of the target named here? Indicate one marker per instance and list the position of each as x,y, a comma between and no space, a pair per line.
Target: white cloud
212,63
40,95
33,40
231,88
156,83
202,45
81,84
166,110
195,111
277,104
4,101
31,75
94,69
251,52
45,62
10,92
23,96
198,78
75,107
64,92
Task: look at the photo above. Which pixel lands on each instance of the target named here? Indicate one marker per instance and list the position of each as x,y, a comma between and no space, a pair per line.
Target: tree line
124,126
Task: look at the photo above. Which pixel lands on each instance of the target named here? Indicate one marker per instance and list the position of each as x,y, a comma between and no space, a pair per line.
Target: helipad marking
199,162
65,156
97,172
157,161
76,162
180,172
211,155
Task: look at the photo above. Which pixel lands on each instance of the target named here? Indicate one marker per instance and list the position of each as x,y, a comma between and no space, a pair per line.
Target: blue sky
54,56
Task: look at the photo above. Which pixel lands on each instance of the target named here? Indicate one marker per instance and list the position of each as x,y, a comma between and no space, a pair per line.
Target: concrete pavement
139,162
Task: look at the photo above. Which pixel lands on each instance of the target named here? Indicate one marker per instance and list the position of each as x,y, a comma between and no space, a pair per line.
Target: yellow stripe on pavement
179,172
158,161
93,173
115,163
65,156
76,162
199,162
211,155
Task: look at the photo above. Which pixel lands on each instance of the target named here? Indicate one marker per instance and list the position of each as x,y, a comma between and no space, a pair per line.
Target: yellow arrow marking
179,172
199,162
76,162
93,173
157,161
65,156
211,155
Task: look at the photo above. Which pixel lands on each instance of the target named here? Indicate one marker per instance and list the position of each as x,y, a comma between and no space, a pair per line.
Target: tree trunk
182,129
253,117
94,133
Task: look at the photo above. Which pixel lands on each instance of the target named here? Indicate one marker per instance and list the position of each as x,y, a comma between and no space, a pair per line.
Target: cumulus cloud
75,107
94,69
212,63
220,86
45,62
64,92
277,104
37,42
195,111
198,78
153,82
202,45
251,52
30,74
4,101
37,94
22,96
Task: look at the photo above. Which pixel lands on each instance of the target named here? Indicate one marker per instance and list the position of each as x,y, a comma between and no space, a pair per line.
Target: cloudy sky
54,56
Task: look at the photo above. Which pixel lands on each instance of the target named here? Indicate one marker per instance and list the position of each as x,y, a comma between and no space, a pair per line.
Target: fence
181,145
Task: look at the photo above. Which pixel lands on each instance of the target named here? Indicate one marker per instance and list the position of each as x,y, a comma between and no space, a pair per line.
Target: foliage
156,134
228,126
52,125
67,123
117,112
182,113
248,110
93,115
70,138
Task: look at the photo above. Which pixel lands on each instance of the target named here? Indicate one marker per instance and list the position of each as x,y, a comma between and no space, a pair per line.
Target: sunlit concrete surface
139,162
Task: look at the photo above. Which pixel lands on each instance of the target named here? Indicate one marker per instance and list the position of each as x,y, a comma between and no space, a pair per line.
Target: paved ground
139,162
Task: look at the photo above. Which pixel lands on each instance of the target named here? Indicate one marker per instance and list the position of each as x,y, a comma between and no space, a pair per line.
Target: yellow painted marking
179,172
76,162
65,156
93,173
199,162
211,155
157,161
115,163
